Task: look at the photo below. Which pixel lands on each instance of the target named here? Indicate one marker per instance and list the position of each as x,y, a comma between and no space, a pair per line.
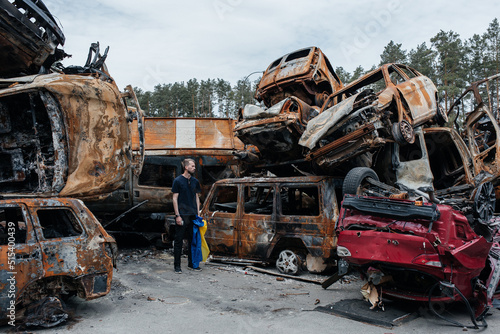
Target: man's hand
178,220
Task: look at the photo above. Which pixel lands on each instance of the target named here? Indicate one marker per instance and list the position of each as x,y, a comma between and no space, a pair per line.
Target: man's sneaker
195,269
178,270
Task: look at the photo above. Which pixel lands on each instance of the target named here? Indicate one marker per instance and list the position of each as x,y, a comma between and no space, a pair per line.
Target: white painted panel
185,133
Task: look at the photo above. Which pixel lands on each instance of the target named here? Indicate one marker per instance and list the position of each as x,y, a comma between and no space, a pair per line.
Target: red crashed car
425,252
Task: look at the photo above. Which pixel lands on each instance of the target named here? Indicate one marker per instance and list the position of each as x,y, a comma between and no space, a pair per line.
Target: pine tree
343,75
422,59
450,70
393,53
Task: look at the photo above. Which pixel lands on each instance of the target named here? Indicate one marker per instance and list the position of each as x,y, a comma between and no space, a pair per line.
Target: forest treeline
449,61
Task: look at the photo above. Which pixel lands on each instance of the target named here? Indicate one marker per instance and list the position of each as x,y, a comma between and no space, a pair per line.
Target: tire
290,262
356,178
403,133
484,202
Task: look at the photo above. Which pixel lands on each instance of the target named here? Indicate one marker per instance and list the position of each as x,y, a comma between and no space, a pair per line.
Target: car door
412,166
222,215
419,94
483,140
300,216
63,240
16,233
256,228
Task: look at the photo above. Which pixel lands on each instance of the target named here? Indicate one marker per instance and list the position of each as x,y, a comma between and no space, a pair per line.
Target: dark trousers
184,231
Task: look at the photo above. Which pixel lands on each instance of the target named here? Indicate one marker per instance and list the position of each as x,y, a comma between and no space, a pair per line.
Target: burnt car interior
27,147
58,223
259,200
299,201
14,215
446,162
225,199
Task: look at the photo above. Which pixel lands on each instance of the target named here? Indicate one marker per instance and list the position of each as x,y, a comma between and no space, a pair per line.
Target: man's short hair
185,162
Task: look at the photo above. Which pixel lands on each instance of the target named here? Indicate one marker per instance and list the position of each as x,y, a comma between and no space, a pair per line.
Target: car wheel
403,133
289,262
356,180
441,117
484,202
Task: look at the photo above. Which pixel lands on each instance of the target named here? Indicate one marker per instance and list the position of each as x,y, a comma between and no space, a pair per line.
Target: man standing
186,200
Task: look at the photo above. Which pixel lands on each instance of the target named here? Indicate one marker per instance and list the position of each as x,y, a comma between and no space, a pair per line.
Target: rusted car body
63,135
384,105
437,167
29,37
286,220
60,249
478,108
306,74
168,141
420,251
461,168
274,131
293,88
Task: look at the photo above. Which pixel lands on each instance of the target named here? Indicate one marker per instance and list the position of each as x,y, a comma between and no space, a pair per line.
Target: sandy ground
148,297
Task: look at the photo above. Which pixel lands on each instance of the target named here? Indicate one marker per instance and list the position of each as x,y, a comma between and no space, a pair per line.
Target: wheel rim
484,202
407,131
288,262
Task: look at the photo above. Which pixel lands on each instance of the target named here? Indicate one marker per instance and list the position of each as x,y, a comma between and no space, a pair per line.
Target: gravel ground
147,296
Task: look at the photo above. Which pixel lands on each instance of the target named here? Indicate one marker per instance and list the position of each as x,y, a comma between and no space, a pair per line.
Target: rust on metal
306,74
60,249
265,219
65,135
165,133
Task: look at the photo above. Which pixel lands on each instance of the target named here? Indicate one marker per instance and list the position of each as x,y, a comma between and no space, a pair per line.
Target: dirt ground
147,296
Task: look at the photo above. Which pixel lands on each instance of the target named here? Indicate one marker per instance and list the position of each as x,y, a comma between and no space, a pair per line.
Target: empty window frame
58,223
157,175
259,199
225,199
12,223
299,200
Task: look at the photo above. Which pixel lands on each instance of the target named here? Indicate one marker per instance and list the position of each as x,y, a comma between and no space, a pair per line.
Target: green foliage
393,53
422,59
205,98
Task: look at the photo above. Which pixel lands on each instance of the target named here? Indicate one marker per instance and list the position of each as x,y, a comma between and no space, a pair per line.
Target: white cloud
154,42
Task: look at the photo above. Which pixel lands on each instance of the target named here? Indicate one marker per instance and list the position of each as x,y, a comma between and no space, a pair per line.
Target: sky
160,42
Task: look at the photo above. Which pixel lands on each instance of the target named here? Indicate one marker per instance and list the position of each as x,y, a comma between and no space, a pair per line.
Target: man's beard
191,173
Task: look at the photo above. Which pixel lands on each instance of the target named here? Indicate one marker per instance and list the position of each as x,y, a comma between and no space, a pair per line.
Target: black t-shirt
187,190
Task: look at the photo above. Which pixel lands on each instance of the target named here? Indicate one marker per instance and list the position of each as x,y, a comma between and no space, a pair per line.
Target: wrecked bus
146,194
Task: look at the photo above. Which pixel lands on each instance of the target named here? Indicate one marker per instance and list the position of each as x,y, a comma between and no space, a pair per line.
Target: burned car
288,221
412,250
29,37
275,131
478,111
305,74
63,134
51,248
458,167
63,130
293,88
383,106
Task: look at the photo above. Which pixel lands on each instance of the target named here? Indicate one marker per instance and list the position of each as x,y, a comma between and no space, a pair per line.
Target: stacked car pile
63,133
420,196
